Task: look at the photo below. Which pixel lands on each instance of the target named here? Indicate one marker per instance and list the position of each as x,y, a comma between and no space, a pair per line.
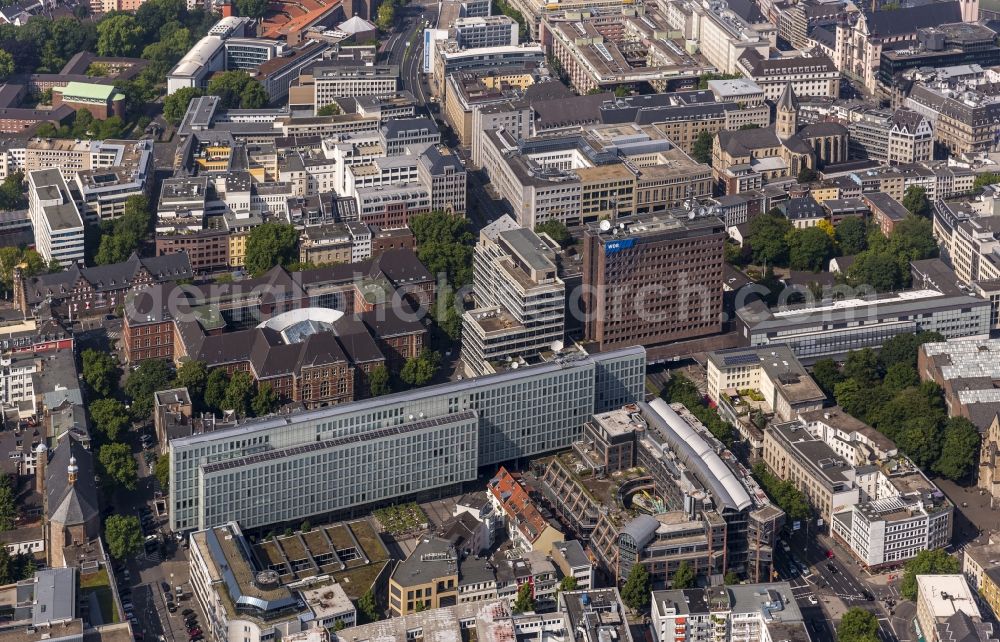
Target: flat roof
946,595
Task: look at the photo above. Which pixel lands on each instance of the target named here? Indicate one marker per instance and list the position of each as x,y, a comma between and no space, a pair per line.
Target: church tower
786,120
970,10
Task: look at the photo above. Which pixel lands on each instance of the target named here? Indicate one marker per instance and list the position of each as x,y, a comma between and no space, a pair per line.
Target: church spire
786,121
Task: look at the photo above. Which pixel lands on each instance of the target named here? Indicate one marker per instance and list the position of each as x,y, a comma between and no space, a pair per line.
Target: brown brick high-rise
655,280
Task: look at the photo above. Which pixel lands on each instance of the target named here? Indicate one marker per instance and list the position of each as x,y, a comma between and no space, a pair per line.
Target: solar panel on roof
741,359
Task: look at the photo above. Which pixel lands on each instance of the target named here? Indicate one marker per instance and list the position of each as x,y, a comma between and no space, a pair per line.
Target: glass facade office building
287,468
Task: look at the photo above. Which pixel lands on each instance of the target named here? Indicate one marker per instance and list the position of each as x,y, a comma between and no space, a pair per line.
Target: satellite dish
556,345
691,216
514,365
702,211
605,225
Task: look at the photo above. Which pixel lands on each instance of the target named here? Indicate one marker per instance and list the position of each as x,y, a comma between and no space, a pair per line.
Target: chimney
41,459
226,8
72,470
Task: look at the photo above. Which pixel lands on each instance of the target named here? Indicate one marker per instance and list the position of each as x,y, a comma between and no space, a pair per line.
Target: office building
723,34
450,58
891,137
900,513
728,614
331,82
652,279
581,176
703,510
55,218
981,568
243,600
597,52
944,45
520,299
440,572
826,329
965,118
770,382
947,610
398,445
811,74
967,371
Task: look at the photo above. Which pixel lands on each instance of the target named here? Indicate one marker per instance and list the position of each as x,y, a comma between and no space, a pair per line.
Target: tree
858,625
271,244
852,235
368,607
265,401
880,270
807,175
176,104
239,393
903,348
827,375
419,370
959,449
118,36
857,399
110,417
333,109
140,385
252,8
386,16
863,366
444,245
12,192
701,149
8,505
809,249
931,562
557,230
525,600
637,588
99,372
768,238
119,465
567,583
683,577
913,239
915,201
899,377
7,66
982,180
123,535
730,578
215,389
680,389
162,471
828,229
378,381
193,375
236,89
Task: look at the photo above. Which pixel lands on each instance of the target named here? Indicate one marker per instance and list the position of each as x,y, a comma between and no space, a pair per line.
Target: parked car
194,632
187,612
171,607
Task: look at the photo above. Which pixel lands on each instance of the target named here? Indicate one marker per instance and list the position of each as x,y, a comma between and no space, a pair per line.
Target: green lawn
100,584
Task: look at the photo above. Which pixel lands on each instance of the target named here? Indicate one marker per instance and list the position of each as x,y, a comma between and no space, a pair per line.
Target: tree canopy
176,104
852,235
444,244
121,237
858,625
378,381
701,149
8,504
238,90
150,376
109,416
215,389
930,562
419,370
271,244
123,535
265,401
683,577
525,600
557,230
100,372
768,238
239,394
119,36
809,249
118,464
193,375
637,588
251,8
784,493
915,201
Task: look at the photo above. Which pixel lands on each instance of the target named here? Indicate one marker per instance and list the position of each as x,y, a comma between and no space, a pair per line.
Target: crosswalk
154,558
